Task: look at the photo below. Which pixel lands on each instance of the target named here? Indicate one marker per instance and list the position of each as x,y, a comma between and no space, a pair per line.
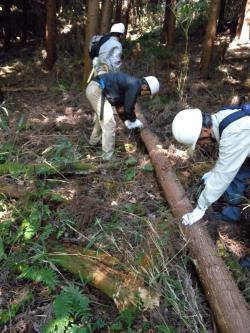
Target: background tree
240,19
91,29
118,11
221,16
127,15
50,34
6,25
208,43
245,30
106,16
168,31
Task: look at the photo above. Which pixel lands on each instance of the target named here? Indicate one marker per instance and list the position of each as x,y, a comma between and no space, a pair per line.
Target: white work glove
206,176
191,218
95,62
135,124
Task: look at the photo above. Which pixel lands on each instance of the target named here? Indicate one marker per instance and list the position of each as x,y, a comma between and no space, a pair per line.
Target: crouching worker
111,91
230,128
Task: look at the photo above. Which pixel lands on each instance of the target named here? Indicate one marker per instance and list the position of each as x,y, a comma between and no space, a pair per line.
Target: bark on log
227,303
105,273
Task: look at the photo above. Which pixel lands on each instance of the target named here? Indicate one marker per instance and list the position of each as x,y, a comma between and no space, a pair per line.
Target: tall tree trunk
240,19
171,20
6,25
25,21
227,303
118,11
245,30
209,37
168,30
107,9
50,34
127,16
91,29
221,16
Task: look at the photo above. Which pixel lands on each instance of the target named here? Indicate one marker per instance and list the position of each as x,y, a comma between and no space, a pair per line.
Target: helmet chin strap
206,120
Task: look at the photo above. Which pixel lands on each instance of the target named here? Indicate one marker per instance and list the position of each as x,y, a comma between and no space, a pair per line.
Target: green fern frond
62,305
58,325
71,302
79,302
44,275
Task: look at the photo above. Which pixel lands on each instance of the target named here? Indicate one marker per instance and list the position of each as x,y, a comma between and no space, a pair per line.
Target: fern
57,326
72,302
70,305
39,274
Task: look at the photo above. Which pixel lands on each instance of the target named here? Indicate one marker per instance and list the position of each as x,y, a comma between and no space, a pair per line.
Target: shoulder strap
244,111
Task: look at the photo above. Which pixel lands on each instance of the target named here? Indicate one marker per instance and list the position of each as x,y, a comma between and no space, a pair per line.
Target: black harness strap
102,105
102,84
241,111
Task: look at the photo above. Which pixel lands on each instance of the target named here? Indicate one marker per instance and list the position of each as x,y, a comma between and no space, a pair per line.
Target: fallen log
105,273
21,89
227,303
64,168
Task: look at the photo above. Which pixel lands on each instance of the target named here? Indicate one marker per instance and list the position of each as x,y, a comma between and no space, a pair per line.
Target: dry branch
105,273
63,168
17,89
226,301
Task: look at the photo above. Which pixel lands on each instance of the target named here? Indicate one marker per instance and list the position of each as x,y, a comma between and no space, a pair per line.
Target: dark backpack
95,44
242,110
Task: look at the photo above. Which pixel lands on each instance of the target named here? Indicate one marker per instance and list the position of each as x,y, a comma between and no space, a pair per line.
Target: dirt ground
49,109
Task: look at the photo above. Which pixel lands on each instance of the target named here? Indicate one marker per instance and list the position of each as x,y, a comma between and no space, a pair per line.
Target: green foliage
62,151
69,306
130,174
7,152
14,308
39,274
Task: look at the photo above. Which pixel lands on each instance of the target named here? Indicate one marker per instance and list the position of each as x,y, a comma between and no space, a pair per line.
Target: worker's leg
93,93
234,195
108,125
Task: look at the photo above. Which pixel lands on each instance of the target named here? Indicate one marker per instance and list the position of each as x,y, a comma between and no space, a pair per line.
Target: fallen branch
63,168
105,273
15,89
226,301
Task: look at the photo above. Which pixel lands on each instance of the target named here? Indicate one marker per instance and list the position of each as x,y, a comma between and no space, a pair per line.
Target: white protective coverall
109,58
103,130
234,148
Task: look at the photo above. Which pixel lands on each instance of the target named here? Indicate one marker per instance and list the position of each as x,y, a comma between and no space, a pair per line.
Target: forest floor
113,207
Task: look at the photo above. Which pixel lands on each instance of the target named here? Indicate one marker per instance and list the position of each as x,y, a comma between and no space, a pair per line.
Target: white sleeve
115,58
233,151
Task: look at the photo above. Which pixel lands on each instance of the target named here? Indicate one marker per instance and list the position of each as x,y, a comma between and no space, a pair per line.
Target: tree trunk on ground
227,303
221,16
91,29
209,38
107,8
50,34
6,25
42,169
125,287
245,30
241,19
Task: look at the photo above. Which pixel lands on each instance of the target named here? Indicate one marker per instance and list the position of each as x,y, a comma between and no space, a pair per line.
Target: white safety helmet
186,126
153,84
118,27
